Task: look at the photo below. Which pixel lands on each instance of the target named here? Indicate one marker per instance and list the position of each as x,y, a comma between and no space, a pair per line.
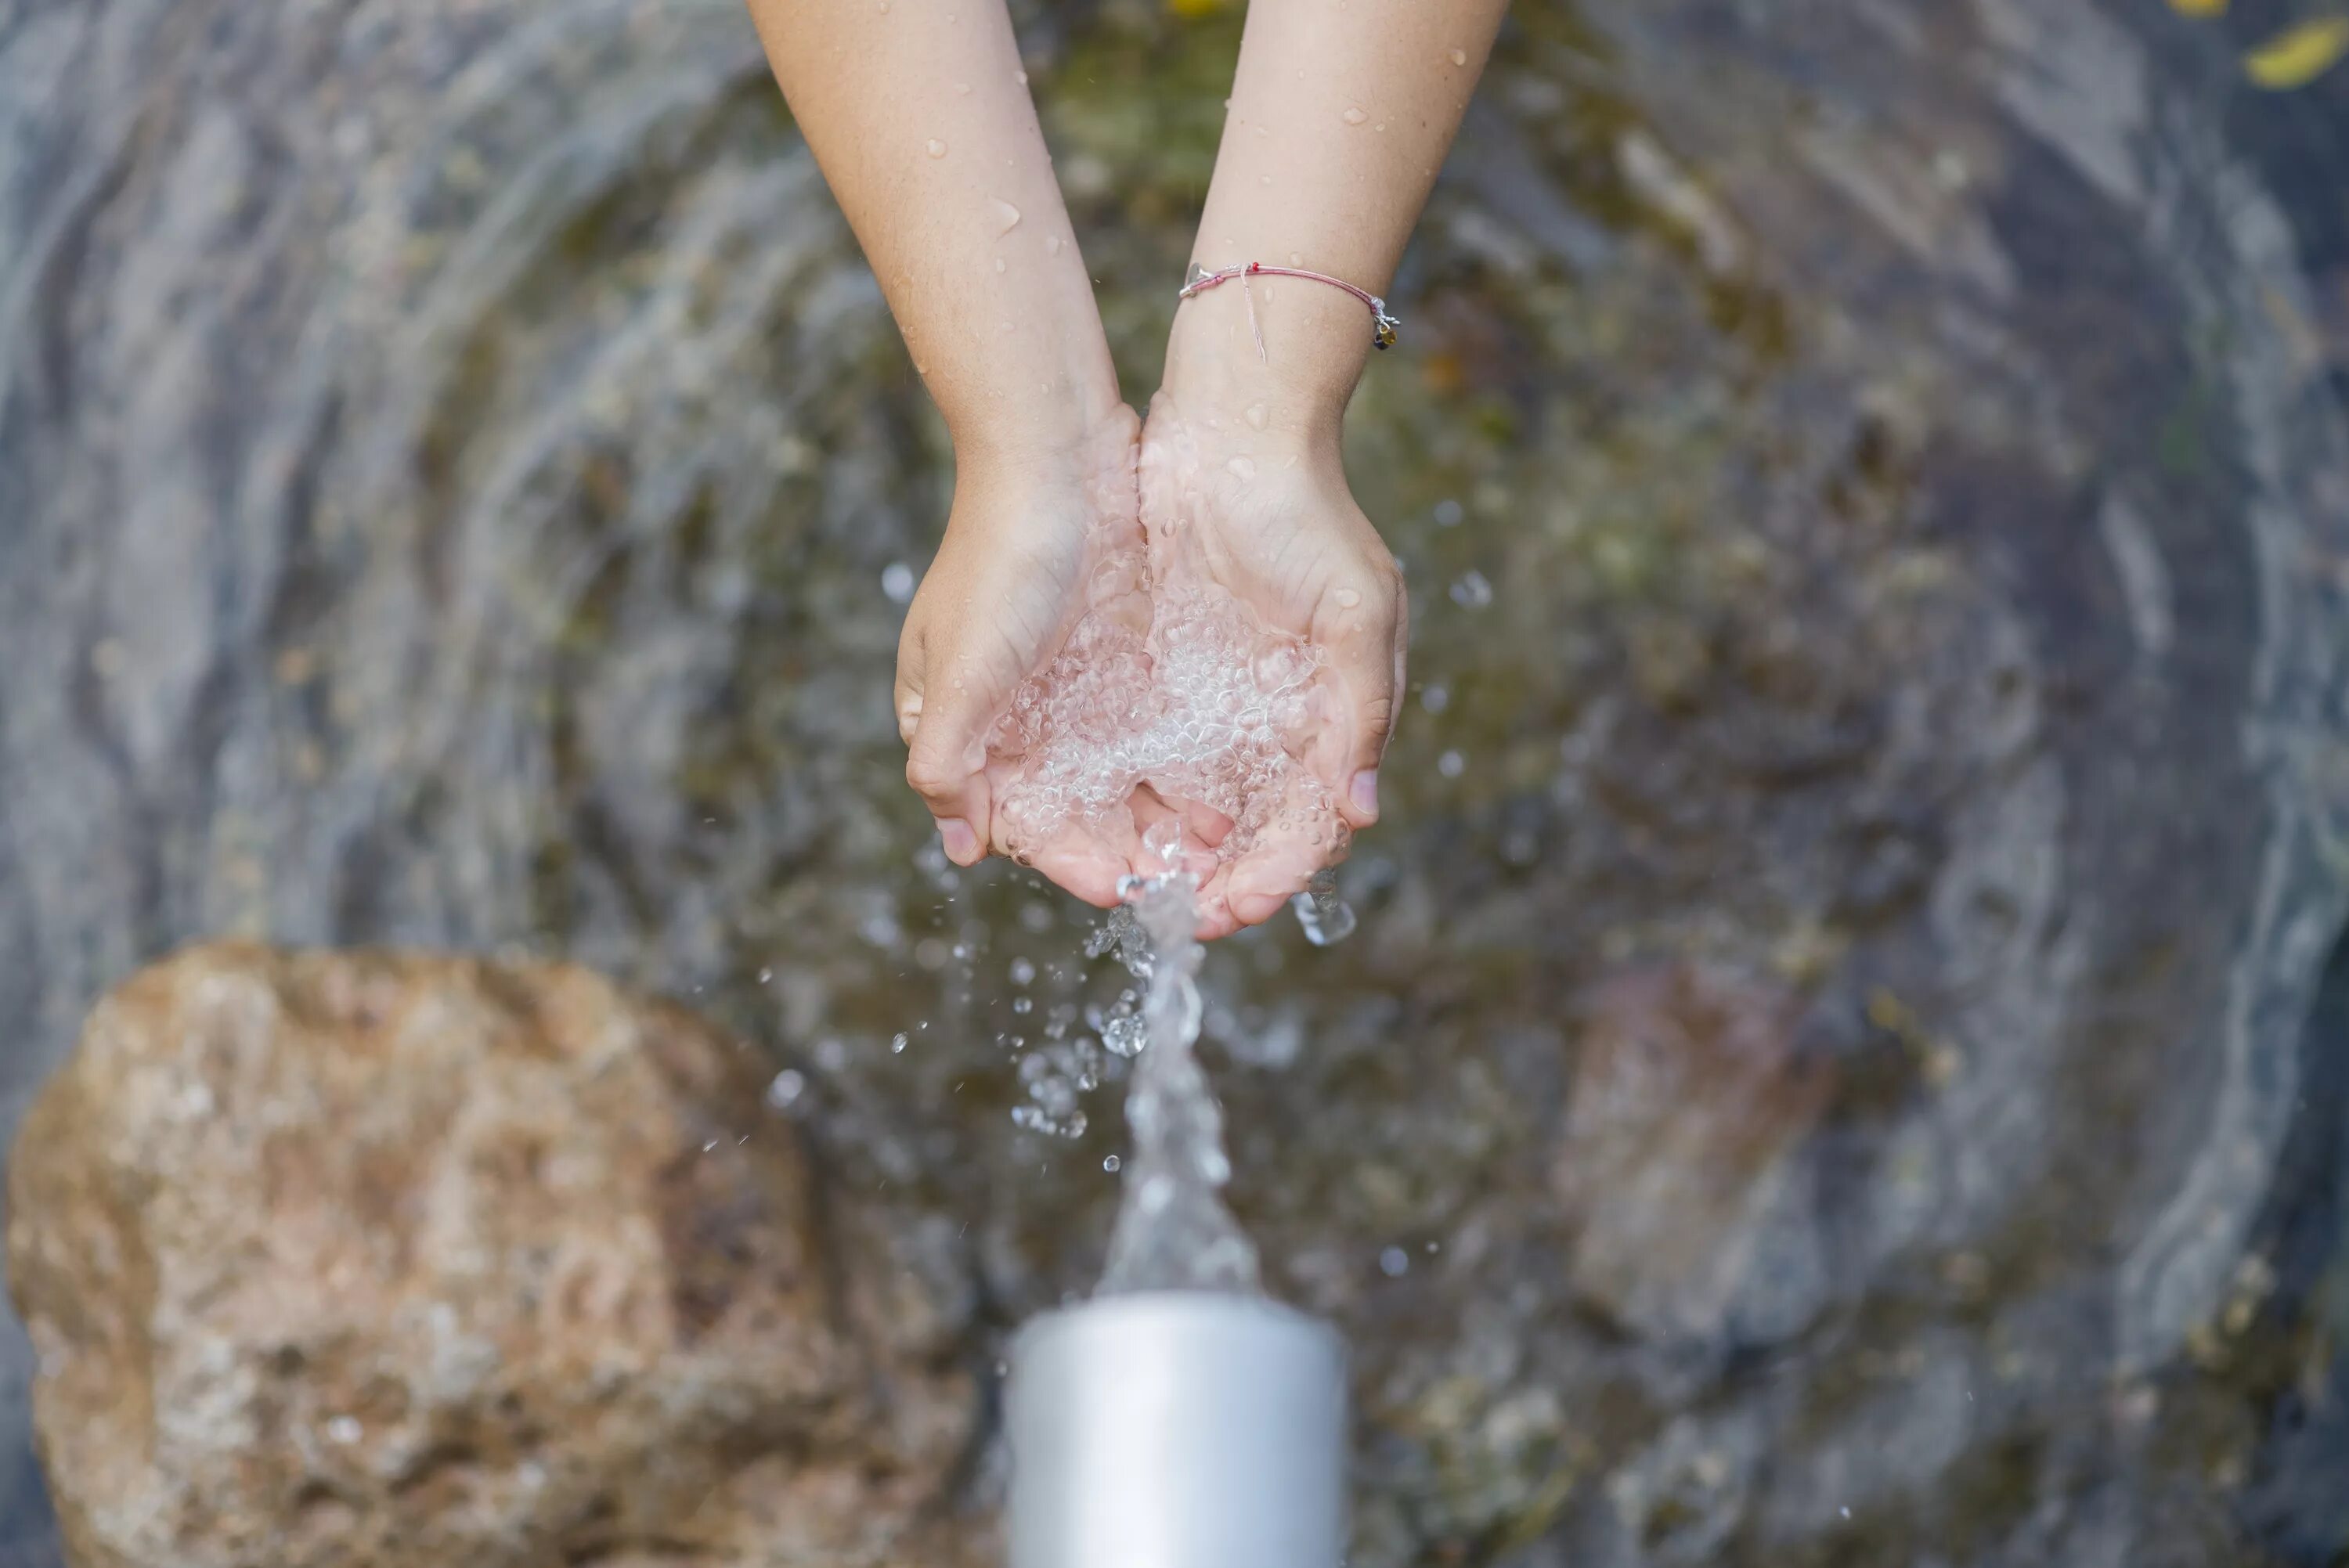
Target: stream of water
1174,1230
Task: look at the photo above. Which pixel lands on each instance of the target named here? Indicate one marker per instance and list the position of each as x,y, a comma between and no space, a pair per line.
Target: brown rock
386,1259
1689,1096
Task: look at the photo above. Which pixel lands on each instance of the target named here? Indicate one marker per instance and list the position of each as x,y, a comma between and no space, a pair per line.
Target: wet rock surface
383,1259
1872,482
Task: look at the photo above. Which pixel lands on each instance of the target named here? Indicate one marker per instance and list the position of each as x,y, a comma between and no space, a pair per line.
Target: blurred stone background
1839,1063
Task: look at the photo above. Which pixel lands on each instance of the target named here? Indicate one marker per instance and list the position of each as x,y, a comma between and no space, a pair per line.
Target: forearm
919,116
1339,119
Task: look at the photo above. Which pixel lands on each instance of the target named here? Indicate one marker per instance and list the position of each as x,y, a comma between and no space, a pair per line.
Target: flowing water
1173,1230
1842,1060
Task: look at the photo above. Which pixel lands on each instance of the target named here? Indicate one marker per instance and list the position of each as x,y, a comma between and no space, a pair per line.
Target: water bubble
1452,764
1022,971
934,148
1394,1262
1125,1037
1354,117
1110,1163
1164,842
787,1087
1448,513
1436,698
1023,1005
898,583
708,1146
962,950
1473,592
1326,918
897,1044
766,975
1007,216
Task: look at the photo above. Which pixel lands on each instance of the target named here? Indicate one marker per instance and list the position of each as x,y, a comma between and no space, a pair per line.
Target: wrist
1040,475
1315,341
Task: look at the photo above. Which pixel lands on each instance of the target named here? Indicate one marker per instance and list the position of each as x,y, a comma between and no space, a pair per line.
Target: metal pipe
1177,1430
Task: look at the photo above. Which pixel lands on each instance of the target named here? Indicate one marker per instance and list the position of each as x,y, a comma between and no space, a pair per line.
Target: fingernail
960,844
1366,791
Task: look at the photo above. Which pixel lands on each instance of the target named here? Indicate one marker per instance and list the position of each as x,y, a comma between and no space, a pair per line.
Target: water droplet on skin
1459,56
1259,415
885,7
1263,179
1347,598
1006,217
1380,126
934,148
1452,764
962,87
998,264
1051,245
1019,77
1242,467
1354,117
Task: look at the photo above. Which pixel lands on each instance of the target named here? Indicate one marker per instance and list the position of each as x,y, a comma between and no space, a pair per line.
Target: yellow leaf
2198,7
2299,55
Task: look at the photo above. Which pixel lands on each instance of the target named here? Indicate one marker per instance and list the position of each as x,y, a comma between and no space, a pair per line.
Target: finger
1200,830
1090,871
1269,875
946,759
1214,912
1368,660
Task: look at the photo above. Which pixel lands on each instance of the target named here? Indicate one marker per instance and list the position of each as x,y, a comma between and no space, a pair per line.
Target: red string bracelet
1384,326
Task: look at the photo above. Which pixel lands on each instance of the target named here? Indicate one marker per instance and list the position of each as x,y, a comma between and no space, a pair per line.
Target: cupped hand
1016,570
1263,509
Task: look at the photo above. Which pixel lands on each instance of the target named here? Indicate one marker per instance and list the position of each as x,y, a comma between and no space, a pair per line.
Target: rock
390,1259
1688,1100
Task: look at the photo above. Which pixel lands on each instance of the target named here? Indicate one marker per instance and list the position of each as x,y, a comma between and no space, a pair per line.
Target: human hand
1260,506
1030,527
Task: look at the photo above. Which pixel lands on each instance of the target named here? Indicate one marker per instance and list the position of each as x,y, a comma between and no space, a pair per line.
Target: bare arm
1342,110
1341,113
919,113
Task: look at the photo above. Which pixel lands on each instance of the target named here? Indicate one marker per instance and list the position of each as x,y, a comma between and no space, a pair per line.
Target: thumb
946,753
1369,664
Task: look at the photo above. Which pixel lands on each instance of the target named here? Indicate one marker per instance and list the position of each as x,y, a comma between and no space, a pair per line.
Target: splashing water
1173,1231
1195,699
